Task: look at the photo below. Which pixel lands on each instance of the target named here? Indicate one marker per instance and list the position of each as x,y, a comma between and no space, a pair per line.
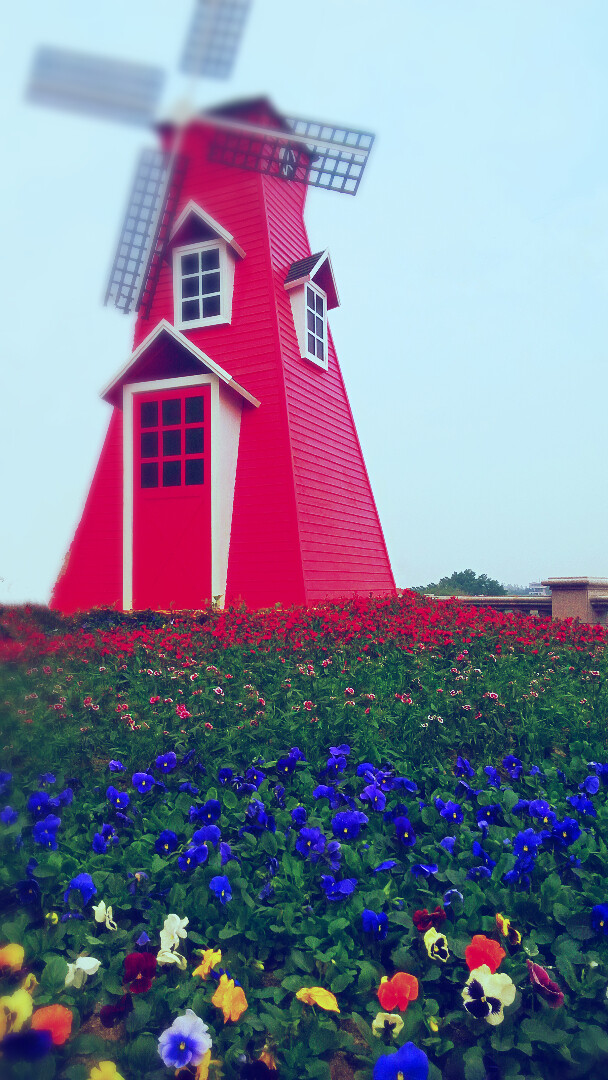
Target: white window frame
299,309
226,271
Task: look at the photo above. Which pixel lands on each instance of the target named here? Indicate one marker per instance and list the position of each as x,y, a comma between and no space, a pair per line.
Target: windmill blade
149,213
214,37
108,89
321,155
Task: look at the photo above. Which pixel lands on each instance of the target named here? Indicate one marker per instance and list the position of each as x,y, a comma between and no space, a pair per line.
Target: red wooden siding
92,572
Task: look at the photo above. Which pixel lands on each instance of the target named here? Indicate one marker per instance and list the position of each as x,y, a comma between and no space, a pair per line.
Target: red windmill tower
231,468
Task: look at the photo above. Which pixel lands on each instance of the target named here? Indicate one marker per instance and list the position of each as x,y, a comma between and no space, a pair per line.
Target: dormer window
316,324
202,285
204,256
312,292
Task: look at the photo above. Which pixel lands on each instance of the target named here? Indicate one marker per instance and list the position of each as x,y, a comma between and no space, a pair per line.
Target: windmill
183,438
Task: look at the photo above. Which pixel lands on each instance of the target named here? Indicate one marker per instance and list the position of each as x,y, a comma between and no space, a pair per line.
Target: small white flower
103,914
172,931
80,969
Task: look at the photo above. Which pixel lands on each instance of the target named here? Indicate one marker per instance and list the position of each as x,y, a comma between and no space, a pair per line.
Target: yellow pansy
209,959
106,1070
436,945
202,1072
316,995
15,1009
230,999
508,930
11,957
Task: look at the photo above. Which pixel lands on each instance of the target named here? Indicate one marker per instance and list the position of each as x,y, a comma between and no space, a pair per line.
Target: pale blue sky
472,267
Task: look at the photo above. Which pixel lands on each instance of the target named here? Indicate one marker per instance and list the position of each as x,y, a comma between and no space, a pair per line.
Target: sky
472,267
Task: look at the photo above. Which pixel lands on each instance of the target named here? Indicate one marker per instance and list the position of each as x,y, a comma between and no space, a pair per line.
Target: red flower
396,993
55,1019
483,950
140,969
423,920
113,1014
547,989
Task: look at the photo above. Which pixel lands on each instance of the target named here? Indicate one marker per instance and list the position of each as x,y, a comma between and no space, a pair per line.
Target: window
202,285
172,442
316,324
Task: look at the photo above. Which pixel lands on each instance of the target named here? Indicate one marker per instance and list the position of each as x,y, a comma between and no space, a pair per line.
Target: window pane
210,283
149,413
172,473
172,443
210,260
149,444
190,286
190,263
195,441
149,474
319,328
195,471
172,412
190,310
320,304
310,298
194,410
320,350
310,318
311,343
211,306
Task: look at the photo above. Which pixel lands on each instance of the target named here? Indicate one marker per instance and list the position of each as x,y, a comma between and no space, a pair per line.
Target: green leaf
229,799
54,973
474,1068
537,1031
143,1053
337,924
342,981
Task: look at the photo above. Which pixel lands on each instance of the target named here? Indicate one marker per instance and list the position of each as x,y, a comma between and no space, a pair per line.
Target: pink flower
218,690
349,690
545,986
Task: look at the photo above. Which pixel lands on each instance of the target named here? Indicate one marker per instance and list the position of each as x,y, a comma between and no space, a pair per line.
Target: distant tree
464,583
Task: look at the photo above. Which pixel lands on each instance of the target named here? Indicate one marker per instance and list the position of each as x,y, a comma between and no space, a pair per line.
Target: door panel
172,498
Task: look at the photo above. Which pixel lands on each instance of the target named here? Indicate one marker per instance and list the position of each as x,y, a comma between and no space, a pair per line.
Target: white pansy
168,956
80,969
172,931
103,914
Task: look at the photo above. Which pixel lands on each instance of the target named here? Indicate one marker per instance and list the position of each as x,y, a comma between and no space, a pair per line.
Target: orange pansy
396,993
56,1019
230,999
484,950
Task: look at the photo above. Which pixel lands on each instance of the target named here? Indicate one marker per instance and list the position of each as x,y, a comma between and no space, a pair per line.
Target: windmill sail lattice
214,37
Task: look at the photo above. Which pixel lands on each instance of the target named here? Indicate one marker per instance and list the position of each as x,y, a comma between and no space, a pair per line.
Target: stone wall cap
574,582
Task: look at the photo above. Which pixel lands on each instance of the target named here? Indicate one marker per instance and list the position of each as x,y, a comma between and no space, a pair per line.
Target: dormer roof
167,353
316,268
194,224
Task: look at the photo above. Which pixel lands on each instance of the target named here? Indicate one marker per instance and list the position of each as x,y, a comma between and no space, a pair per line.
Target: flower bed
285,864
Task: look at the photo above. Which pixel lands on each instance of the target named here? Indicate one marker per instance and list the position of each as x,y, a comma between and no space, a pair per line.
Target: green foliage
464,583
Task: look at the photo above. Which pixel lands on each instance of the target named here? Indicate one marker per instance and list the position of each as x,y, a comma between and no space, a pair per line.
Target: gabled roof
315,268
193,216
156,354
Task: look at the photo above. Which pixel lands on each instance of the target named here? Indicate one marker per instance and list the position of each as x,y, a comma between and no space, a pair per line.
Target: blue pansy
599,918
424,869
348,823
286,765
118,798
5,779
450,811
299,815
221,888
82,883
266,893
539,808
310,843
323,791
476,873
374,795
45,832
209,812
224,775
493,776
591,785
8,816
479,852
407,1063
99,844
521,807
26,1045
338,890
403,782
47,778
375,923
226,853
40,801
566,832
166,762
28,891
331,855
108,831
463,768
450,896
338,751
388,864
466,791
142,781
582,805
367,770
448,844
115,766
192,857
208,834
405,831
66,797
296,754
513,766
255,777
143,939
258,819
527,842
190,788
488,815
165,842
